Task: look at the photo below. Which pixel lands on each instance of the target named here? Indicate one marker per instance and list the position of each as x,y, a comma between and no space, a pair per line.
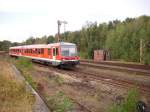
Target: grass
128,104
59,80
24,63
59,102
13,94
25,66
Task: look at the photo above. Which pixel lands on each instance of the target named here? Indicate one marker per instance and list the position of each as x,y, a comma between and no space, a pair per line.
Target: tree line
121,38
125,40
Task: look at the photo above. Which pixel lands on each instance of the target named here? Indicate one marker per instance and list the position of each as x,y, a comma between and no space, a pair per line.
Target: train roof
41,45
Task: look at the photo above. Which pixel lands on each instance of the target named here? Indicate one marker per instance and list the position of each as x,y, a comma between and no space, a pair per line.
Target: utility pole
59,24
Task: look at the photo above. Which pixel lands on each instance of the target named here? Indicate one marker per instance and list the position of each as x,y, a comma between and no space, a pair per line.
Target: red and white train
57,54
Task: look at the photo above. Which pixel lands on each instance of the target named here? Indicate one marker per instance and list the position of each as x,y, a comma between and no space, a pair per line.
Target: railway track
139,69
81,106
89,76
129,65
107,80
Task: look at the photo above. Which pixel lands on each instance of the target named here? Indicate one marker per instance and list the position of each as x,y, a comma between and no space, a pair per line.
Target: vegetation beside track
25,67
59,102
13,94
57,97
128,104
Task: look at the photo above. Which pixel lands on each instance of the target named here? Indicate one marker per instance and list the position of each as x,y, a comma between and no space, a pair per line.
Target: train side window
49,51
33,51
36,51
42,50
56,51
39,51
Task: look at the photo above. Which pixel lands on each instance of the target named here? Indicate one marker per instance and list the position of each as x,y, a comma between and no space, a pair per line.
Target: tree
50,39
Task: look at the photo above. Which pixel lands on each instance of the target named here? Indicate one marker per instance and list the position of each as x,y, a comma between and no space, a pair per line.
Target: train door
54,53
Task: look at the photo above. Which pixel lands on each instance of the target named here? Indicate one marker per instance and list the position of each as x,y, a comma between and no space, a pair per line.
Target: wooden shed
101,55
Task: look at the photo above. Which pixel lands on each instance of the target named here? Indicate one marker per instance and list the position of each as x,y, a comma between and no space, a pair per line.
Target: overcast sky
20,19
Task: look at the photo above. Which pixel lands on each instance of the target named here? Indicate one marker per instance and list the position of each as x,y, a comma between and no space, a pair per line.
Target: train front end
69,55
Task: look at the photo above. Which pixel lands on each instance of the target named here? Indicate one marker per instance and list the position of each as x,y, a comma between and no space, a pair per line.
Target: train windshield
68,50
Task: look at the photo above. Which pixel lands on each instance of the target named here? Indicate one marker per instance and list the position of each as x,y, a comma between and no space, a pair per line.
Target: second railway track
139,69
88,76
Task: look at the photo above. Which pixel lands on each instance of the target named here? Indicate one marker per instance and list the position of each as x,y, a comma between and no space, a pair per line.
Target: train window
56,51
36,51
68,50
42,50
32,51
39,51
49,51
